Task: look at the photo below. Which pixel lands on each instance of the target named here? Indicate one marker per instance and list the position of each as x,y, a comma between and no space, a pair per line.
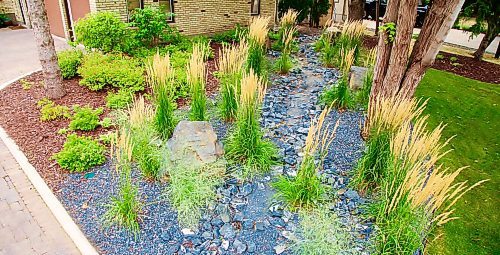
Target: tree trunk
491,34
397,74
356,9
436,27
384,49
46,50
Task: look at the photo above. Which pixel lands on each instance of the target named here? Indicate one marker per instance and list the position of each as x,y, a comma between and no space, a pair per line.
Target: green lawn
471,110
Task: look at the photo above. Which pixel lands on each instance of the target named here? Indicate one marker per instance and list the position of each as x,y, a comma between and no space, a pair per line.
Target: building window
255,7
168,7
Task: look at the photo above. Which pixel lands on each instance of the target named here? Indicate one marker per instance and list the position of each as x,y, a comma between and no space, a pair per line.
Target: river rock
195,142
357,76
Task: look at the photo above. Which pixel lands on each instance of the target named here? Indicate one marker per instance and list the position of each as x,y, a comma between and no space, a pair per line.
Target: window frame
172,10
252,11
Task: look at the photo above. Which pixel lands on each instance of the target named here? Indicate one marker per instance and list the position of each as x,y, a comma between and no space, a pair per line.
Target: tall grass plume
247,144
305,190
196,76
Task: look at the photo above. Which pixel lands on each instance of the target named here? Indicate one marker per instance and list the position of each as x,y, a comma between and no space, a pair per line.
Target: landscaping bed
247,216
461,65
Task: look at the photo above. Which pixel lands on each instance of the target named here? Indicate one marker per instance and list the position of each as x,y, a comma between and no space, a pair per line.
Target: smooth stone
227,231
239,246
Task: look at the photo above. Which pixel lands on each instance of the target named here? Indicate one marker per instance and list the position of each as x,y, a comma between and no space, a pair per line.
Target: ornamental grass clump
418,194
124,208
160,76
196,76
257,36
147,147
321,232
284,62
286,23
389,113
333,43
305,190
193,188
247,145
231,62
340,96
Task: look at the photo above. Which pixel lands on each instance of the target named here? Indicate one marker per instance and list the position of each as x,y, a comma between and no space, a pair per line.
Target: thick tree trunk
401,46
491,34
46,50
384,49
436,27
397,74
356,9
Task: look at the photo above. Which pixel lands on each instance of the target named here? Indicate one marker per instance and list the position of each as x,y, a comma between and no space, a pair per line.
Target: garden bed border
54,205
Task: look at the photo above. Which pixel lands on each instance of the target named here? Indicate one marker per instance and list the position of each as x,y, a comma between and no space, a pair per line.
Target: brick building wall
11,7
194,17
212,16
118,6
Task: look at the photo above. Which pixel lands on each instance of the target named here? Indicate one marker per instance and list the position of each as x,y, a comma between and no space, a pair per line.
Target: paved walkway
18,53
456,37
27,226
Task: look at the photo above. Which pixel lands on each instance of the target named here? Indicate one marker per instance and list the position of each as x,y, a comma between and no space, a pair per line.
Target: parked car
371,5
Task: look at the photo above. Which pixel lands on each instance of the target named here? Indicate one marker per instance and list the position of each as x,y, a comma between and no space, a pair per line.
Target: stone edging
57,209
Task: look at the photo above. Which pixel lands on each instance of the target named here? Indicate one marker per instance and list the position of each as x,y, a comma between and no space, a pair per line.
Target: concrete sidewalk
18,53
456,37
27,226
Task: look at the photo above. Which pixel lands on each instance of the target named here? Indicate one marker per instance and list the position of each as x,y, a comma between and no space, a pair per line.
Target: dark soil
469,67
464,66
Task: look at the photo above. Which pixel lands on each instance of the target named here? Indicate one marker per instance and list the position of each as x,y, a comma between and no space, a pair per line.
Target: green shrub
51,111
26,85
329,55
69,61
85,118
80,153
321,232
339,95
179,60
230,36
151,23
247,145
121,99
103,31
100,70
106,123
192,189
453,59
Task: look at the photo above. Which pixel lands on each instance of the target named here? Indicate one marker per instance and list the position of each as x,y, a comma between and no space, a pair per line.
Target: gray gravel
246,219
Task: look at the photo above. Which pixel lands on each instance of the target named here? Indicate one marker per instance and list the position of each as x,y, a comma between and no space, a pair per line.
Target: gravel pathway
246,219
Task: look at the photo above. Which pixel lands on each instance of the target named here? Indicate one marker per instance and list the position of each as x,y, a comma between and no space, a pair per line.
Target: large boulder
357,76
194,142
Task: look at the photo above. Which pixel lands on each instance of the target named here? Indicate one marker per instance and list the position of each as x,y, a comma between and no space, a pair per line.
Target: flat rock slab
195,142
357,76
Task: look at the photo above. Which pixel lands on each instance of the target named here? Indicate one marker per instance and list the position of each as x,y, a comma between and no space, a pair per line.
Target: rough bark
46,50
384,49
356,9
436,26
397,74
400,47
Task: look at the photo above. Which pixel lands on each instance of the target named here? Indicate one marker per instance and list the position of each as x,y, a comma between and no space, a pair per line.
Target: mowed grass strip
471,111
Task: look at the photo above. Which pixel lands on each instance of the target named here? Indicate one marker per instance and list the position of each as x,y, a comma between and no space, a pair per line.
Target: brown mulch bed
469,67
20,117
